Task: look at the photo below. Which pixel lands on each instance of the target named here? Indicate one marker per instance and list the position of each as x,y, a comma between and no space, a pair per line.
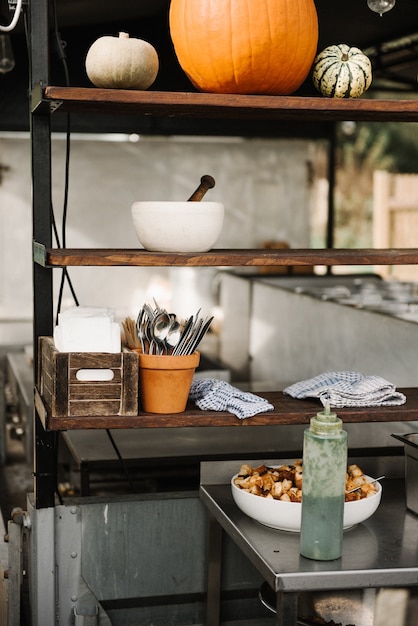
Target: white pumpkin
341,71
122,63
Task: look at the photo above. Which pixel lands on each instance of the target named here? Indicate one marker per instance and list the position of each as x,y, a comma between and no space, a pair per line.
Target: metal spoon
159,328
173,335
166,331
368,482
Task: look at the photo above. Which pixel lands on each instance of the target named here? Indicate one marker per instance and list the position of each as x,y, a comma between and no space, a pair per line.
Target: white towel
218,395
344,389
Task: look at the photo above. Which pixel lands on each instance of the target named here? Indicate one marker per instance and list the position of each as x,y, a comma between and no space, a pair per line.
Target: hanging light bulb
381,6
7,60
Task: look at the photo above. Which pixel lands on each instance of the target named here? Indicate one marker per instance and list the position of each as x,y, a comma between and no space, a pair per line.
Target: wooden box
66,393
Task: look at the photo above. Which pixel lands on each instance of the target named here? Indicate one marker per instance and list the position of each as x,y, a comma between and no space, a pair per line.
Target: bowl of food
170,226
273,495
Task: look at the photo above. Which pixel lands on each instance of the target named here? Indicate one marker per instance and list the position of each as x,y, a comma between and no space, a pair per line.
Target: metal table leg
214,556
286,609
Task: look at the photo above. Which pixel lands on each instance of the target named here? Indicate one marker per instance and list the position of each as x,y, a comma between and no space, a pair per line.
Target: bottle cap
326,422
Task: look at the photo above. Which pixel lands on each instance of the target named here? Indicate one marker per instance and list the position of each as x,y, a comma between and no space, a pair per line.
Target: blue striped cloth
343,389
218,395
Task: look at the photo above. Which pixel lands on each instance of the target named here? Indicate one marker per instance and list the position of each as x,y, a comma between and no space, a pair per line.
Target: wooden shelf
206,105
46,100
287,411
64,257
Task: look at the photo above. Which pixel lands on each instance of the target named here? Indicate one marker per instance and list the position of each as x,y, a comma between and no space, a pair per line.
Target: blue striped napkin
218,395
343,389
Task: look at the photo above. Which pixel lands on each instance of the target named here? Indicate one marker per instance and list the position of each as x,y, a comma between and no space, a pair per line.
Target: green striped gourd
340,71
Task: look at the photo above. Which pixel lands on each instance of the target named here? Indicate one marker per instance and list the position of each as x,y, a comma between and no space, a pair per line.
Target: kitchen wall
264,184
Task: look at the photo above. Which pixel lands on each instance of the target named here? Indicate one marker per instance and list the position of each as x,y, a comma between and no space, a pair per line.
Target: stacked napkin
87,329
218,395
343,389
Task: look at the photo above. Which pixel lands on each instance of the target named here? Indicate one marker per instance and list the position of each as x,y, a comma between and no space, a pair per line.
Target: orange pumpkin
245,46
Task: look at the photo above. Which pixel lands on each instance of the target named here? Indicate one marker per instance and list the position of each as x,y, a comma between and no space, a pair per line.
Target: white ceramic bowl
178,226
287,515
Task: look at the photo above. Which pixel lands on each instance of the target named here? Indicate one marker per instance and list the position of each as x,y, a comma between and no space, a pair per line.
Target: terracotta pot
165,381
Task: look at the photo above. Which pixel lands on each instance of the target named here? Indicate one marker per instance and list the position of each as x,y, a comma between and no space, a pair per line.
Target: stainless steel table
381,552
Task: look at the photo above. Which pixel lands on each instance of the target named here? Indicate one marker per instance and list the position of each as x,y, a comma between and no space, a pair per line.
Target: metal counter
381,552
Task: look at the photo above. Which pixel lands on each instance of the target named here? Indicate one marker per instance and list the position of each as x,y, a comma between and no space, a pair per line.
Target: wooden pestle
206,182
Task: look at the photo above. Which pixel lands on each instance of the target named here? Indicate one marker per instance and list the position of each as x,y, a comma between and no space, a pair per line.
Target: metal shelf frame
47,100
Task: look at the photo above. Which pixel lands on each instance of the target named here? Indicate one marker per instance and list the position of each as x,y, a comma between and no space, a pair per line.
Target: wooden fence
395,219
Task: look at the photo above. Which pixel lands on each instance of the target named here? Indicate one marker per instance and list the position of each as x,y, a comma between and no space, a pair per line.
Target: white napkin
87,329
218,395
347,389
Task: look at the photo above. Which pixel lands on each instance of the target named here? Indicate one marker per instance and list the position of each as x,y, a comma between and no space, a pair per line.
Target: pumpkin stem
123,36
344,57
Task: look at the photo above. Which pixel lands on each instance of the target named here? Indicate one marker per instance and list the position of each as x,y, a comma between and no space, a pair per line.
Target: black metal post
44,442
214,571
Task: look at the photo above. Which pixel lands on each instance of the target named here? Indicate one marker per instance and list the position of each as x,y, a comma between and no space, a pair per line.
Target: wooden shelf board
287,411
53,257
223,106
208,105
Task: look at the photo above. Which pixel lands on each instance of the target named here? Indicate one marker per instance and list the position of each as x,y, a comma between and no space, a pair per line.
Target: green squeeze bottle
323,487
